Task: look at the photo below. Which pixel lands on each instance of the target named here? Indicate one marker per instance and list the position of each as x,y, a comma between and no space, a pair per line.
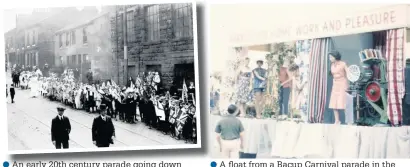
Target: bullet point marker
213,164
6,164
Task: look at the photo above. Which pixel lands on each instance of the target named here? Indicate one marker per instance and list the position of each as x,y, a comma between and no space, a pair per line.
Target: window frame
153,28
67,39
186,29
28,39
60,39
34,37
73,37
131,26
73,59
85,36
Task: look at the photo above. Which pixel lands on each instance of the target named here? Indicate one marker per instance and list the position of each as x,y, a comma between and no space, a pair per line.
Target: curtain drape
379,41
302,60
318,80
395,42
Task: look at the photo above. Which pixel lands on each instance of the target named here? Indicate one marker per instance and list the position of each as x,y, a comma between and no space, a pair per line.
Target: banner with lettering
390,17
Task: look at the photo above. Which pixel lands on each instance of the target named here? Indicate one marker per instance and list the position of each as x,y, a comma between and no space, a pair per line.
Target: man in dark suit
103,131
60,129
406,99
12,93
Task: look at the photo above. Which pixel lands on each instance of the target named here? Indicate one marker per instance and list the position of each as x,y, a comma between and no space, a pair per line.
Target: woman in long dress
34,86
340,84
243,87
77,99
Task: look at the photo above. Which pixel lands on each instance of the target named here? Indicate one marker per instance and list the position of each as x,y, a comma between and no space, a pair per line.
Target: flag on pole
113,83
184,92
193,99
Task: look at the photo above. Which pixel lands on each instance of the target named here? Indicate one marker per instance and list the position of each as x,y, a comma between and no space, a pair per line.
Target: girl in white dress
34,86
296,94
77,99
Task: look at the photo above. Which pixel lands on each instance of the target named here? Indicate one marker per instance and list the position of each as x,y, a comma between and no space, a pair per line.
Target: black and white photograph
102,78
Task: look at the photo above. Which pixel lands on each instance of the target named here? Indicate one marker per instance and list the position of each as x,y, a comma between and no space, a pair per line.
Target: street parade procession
173,112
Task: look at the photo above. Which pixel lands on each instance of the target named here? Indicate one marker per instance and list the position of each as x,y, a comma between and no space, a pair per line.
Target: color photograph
310,81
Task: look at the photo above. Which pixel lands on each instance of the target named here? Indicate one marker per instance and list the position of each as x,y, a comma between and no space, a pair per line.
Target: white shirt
103,118
157,79
60,117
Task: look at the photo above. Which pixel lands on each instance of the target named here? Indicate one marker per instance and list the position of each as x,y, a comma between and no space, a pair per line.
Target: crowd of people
141,99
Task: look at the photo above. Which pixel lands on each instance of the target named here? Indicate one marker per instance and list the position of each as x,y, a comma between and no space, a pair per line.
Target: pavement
29,124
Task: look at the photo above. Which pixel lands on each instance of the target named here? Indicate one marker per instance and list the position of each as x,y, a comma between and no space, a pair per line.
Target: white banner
389,17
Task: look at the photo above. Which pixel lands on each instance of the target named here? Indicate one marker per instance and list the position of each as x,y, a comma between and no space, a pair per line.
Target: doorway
153,68
184,71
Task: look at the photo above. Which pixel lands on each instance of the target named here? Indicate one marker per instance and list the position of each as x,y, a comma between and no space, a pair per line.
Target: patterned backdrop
302,60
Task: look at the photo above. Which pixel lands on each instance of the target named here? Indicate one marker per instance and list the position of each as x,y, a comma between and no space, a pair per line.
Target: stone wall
167,52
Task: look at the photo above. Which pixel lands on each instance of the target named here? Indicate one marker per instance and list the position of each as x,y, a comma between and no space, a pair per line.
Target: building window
67,62
120,30
27,39
67,39
34,37
153,22
130,27
183,20
74,59
73,37
60,38
85,40
79,59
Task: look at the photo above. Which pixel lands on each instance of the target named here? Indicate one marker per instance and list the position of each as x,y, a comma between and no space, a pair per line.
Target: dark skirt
188,129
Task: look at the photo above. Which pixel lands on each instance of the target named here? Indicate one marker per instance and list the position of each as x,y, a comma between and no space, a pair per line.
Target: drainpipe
125,45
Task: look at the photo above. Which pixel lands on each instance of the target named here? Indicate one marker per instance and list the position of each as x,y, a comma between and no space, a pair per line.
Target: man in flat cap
103,131
60,129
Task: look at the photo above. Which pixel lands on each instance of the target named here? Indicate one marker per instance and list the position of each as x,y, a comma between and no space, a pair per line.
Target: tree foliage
281,52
